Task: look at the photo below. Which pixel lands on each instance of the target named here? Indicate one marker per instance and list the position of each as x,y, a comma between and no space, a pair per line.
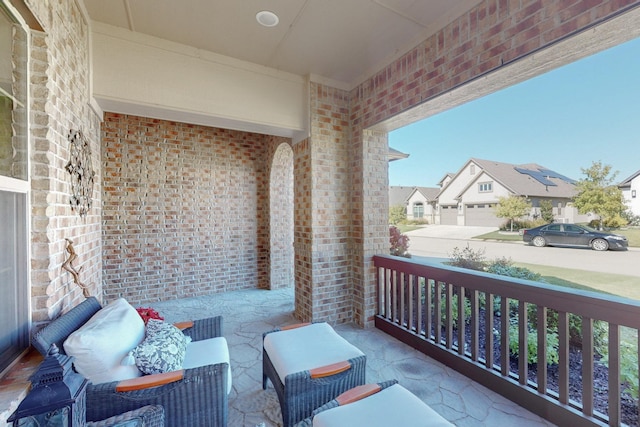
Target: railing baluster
394,296
420,281
387,293
504,336
563,356
461,320
587,366
614,374
411,302
428,306
523,343
542,349
437,310
488,327
402,289
475,325
449,315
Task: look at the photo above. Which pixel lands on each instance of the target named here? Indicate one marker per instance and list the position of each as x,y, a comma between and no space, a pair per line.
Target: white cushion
306,348
208,352
100,345
393,406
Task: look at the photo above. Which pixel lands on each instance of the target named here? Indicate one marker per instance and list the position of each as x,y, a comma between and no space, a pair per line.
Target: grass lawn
614,284
404,227
632,234
501,235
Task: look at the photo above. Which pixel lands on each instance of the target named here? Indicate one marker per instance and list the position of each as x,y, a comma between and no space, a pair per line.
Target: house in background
471,195
419,202
631,191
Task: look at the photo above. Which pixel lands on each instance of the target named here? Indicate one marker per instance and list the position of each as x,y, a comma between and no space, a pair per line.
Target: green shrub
546,211
616,221
472,259
532,343
519,224
397,214
628,367
513,271
631,219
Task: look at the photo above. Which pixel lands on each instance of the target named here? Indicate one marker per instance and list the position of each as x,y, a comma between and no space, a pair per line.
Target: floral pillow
162,350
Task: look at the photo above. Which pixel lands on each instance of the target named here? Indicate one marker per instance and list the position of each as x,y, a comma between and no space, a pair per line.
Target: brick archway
281,218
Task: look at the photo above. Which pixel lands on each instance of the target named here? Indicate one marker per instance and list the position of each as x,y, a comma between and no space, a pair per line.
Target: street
429,242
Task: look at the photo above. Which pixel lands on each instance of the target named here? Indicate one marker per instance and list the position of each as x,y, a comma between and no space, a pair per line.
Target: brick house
469,197
214,174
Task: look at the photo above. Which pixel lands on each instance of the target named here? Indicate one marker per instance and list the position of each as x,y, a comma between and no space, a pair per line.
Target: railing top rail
595,305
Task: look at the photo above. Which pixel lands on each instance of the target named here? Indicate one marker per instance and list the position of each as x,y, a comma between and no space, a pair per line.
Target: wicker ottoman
376,405
309,365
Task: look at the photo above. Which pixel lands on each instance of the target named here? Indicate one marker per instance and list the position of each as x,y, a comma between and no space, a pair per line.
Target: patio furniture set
157,374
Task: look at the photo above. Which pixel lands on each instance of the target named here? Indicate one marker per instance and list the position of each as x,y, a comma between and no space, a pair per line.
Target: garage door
482,215
449,215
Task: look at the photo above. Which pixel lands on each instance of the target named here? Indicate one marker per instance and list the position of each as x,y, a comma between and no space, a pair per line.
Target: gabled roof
429,193
398,195
530,180
396,155
521,183
446,175
627,182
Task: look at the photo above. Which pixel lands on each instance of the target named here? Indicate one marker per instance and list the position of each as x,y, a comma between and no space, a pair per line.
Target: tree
512,208
397,214
546,210
598,194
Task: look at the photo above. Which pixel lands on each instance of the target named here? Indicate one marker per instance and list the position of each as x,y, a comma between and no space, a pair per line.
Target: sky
563,120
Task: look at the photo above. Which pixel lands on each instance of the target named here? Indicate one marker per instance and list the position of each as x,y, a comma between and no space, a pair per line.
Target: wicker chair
302,392
147,416
190,397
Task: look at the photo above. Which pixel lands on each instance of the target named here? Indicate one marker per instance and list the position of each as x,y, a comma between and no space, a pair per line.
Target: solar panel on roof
553,174
543,175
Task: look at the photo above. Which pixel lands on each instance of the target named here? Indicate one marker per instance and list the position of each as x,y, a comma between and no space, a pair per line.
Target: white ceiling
341,40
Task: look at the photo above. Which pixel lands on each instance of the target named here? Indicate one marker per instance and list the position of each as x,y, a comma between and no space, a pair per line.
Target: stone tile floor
248,314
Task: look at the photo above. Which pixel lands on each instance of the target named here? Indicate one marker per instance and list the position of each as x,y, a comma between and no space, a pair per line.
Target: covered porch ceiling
342,41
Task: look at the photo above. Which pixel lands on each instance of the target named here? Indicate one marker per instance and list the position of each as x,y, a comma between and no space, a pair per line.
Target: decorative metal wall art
81,169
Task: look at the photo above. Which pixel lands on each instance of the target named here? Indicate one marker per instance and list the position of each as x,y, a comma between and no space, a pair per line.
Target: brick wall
330,183
59,103
303,233
184,209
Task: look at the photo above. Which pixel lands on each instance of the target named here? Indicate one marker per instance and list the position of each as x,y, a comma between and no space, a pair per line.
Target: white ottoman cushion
393,406
208,352
306,348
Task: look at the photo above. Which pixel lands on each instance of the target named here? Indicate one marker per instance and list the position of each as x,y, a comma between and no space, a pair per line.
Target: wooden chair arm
328,370
358,393
184,325
148,381
294,326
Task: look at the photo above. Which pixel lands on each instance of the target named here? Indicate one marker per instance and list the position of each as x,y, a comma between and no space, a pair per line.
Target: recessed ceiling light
267,18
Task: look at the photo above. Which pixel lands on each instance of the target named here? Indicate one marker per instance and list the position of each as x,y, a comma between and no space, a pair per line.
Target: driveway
451,231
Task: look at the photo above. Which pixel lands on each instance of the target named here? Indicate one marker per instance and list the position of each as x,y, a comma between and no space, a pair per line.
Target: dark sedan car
573,235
